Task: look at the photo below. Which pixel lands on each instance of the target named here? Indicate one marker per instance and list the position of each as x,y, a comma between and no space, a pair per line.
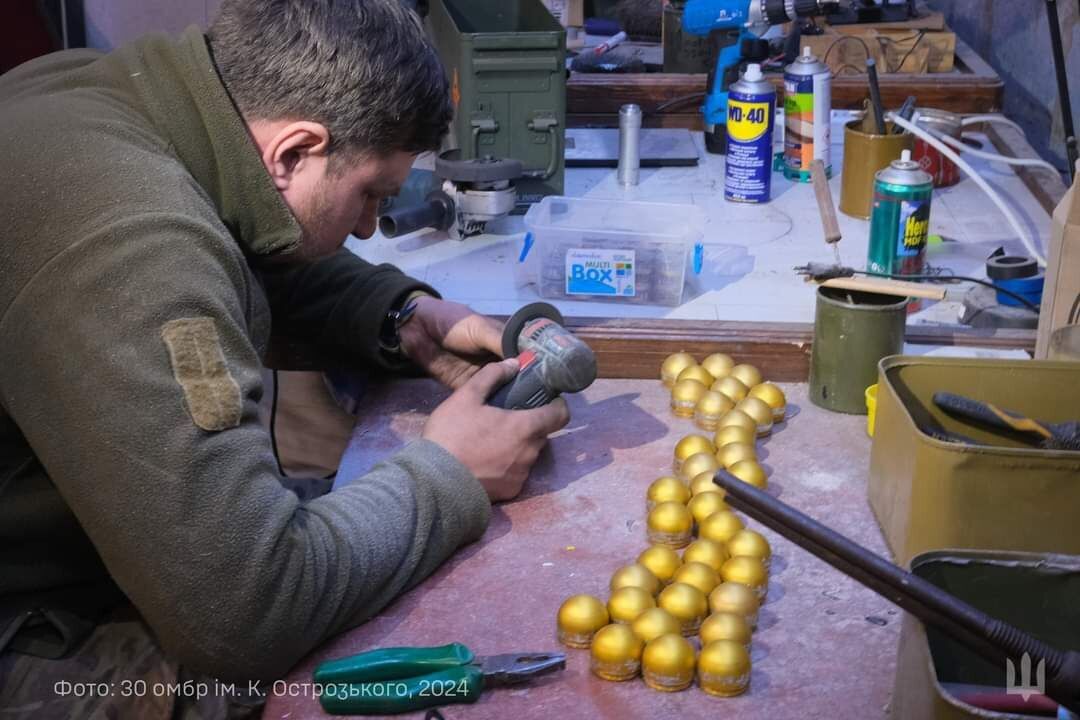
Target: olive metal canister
853,331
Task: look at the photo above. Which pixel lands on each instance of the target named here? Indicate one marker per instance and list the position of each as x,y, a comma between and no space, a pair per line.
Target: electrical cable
1074,313
842,38
955,278
992,119
948,152
918,37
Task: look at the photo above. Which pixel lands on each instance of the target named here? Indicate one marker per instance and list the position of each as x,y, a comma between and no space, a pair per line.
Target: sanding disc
523,317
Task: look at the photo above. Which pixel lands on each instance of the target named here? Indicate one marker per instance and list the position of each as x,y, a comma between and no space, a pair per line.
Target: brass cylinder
706,551
661,561
703,505
691,445
748,375
734,453
703,483
774,396
668,663
696,372
865,154
697,464
653,623
673,365
580,616
666,489
725,626
724,669
720,526
727,434
751,473
670,524
687,604
699,575
731,597
739,419
685,395
732,387
718,365
626,603
750,544
749,572
616,653
710,408
760,411
635,575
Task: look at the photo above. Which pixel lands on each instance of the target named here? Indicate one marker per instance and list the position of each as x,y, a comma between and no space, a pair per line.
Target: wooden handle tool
829,221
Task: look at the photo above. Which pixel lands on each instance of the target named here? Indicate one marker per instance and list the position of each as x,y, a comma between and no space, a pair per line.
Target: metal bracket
549,123
481,124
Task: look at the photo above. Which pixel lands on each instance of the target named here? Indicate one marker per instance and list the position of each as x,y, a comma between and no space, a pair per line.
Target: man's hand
498,446
450,341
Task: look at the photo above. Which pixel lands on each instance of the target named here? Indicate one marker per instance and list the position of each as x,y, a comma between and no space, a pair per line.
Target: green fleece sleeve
338,304
156,447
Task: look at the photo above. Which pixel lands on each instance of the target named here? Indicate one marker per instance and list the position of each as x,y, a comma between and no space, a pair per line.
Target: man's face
339,201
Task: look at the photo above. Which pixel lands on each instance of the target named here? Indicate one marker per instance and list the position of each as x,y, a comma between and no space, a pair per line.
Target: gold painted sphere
750,544
732,387
674,365
726,435
626,603
772,395
760,411
696,372
705,504
686,603
747,571
689,446
724,669
750,472
725,626
666,489
635,575
697,464
661,561
718,365
711,553
616,653
739,419
710,408
670,524
684,397
734,453
748,375
703,483
730,597
653,623
579,617
668,662
720,526
699,575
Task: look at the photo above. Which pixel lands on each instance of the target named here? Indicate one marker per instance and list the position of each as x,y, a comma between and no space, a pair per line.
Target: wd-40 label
914,230
748,174
600,272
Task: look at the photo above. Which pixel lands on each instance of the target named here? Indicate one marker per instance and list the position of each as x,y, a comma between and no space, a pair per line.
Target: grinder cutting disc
523,317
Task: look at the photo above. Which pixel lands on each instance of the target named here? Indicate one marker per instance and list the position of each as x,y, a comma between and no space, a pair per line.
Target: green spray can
900,219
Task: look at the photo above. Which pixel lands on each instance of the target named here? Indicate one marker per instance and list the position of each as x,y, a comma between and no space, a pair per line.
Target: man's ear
298,147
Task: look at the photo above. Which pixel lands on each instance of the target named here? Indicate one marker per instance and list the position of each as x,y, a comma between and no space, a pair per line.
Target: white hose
970,172
994,157
998,119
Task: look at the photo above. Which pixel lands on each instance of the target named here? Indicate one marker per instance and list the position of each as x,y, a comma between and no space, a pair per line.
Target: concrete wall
1014,37
114,22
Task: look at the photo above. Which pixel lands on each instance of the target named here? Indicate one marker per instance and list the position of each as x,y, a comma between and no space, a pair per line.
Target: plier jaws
518,668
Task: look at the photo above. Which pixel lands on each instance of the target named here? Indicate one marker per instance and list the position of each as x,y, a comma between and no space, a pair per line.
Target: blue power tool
717,19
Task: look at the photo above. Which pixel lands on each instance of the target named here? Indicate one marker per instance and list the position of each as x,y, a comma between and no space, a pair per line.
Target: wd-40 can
808,121
900,219
750,121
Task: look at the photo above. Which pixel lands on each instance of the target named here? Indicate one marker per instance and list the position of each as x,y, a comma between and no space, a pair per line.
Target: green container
853,331
1001,494
506,62
1036,593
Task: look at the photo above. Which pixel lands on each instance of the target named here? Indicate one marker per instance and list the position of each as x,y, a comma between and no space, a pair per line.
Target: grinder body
551,359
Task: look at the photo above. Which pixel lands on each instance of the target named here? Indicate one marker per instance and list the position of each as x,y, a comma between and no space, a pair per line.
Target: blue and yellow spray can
750,123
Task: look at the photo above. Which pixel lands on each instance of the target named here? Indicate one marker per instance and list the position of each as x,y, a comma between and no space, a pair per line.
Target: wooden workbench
825,646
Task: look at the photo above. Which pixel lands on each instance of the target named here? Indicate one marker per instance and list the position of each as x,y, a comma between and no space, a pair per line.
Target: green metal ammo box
506,61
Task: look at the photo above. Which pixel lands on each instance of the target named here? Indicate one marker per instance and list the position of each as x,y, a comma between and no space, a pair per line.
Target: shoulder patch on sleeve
198,363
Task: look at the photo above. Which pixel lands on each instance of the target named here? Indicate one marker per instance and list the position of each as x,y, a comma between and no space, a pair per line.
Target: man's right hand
498,446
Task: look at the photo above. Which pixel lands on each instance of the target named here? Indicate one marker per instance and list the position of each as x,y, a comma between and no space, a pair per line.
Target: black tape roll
1011,267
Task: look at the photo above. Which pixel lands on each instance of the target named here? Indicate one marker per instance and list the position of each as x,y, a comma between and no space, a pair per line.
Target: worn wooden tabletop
825,646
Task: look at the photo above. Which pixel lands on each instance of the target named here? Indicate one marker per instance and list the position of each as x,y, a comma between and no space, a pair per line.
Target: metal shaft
993,639
1071,150
629,144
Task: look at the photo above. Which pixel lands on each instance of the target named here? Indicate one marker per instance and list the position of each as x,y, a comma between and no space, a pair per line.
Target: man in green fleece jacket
163,204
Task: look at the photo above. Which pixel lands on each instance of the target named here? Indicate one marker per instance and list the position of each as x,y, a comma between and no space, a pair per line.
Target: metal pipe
437,212
1058,49
629,144
993,639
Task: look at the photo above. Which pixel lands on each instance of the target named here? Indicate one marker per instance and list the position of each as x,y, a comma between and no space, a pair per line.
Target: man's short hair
363,68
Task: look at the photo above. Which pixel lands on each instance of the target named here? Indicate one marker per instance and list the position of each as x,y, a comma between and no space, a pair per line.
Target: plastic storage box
631,252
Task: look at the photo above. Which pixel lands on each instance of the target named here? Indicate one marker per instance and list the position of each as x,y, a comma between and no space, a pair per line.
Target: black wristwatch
390,333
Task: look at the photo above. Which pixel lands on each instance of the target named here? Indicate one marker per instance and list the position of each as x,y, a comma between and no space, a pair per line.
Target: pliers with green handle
399,680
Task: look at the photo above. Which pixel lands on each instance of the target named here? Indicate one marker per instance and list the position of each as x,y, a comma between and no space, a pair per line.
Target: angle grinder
551,359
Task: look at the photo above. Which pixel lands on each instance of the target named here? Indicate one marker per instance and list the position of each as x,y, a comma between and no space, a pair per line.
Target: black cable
950,278
1074,313
828,52
675,102
273,422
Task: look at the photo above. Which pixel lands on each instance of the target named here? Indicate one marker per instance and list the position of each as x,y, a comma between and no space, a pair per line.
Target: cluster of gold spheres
686,609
